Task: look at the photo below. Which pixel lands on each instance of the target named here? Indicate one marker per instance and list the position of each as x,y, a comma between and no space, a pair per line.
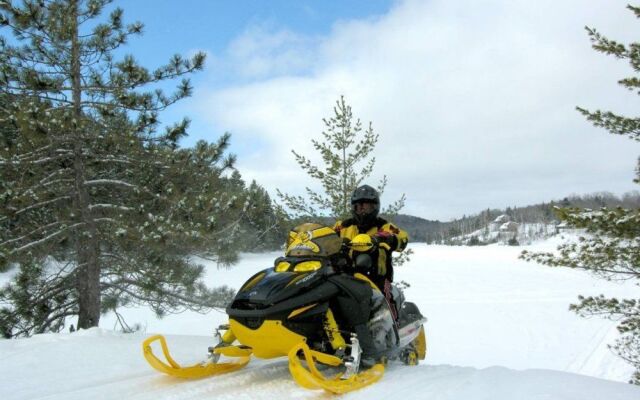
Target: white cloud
260,51
474,101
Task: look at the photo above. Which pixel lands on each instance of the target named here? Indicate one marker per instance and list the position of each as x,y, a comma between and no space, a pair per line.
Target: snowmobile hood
269,287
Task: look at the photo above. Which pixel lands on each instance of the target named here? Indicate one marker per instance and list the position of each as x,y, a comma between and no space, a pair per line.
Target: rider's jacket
387,232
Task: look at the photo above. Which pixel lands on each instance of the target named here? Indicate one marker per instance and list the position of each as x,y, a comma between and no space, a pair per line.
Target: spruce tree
610,248
98,208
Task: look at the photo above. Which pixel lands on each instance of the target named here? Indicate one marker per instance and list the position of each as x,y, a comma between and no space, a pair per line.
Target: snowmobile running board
311,378
202,370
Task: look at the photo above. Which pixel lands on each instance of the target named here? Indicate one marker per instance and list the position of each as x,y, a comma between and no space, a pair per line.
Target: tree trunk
87,245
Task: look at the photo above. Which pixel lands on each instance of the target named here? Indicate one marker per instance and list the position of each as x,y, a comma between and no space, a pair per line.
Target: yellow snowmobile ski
312,378
204,369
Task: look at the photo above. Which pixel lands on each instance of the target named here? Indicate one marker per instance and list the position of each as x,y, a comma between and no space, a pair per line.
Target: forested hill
418,228
430,231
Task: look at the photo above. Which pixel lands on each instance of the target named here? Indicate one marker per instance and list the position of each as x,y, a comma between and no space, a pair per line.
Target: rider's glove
376,240
386,237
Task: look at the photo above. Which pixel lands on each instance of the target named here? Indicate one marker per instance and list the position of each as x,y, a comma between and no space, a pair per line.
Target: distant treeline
273,234
422,230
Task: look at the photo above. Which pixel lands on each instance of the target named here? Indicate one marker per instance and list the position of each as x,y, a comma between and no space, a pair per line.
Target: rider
309,242
365,206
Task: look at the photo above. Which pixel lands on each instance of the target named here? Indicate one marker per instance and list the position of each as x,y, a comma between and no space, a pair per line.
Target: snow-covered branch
42,204
109,207
124,285
98,182
34,232
46,239
34,162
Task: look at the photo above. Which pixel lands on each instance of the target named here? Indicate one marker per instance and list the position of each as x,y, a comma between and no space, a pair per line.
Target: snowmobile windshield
312,240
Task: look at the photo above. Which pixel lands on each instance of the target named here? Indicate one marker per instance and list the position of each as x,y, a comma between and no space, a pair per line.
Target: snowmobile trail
102,365
105,385
264,380
595,347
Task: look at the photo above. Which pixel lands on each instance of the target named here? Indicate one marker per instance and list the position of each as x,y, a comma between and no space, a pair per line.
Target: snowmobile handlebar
364,243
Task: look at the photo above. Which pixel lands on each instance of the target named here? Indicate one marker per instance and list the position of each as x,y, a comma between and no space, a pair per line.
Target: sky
474,101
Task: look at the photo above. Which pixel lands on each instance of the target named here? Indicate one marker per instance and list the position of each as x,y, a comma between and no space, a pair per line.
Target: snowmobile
290,310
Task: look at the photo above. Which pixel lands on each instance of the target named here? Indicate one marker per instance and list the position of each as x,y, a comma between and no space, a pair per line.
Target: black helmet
365,194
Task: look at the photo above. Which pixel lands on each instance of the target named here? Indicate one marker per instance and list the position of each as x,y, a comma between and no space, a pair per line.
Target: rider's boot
370,354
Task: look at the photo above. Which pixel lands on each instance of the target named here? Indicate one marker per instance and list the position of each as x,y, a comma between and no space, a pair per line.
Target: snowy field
499,328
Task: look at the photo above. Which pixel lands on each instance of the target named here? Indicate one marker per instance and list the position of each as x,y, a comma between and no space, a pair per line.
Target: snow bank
99,364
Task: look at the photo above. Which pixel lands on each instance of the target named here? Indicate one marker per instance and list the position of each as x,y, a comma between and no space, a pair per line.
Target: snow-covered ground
499,328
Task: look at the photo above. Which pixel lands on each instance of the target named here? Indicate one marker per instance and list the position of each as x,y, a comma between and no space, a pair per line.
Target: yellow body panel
300,310
233,351
420,343
228,337
333,332
412,358
270,340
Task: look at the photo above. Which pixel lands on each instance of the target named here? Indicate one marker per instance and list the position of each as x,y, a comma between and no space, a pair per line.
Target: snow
499,328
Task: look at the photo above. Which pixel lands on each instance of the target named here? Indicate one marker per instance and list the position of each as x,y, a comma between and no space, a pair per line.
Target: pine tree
267,227
611,247
346,152
99,209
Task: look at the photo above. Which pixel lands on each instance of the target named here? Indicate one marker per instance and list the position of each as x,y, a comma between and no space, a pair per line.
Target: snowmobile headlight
303,266
307,266
283,266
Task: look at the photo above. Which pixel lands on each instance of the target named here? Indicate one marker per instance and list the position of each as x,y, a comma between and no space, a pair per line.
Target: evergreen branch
28,155
44,97
57,313
39,229
45,239
93,207
99,182
193,303
41,204
55,182
604,45
35,162
616,124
